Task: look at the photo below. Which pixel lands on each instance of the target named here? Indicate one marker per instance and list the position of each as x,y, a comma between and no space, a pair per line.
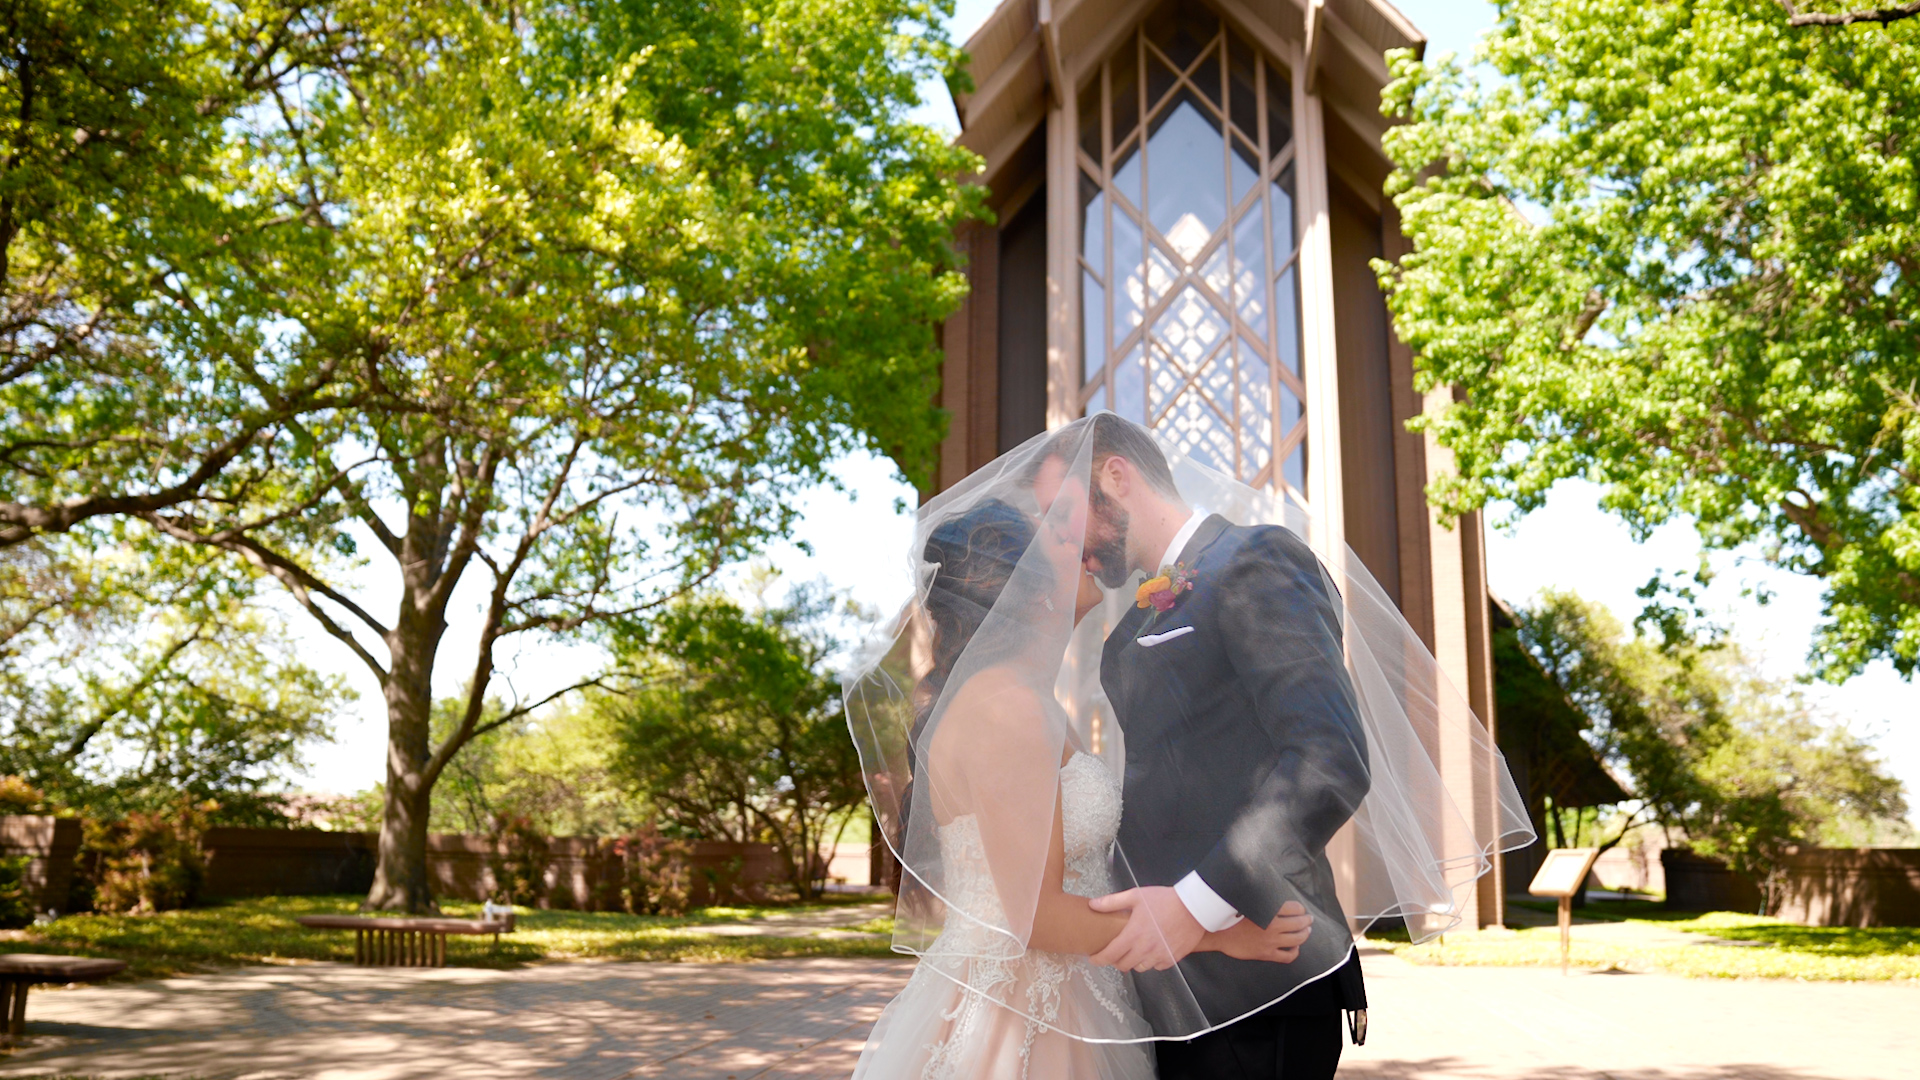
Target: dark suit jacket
1244,756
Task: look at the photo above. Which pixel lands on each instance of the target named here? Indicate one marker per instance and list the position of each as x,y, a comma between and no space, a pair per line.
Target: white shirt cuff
1204,904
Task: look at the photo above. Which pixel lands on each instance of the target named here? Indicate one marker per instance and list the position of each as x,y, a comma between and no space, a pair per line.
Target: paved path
1486,1023
783,1020
789,1020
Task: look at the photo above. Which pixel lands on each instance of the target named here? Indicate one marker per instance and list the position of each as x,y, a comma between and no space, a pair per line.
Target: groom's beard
1107,538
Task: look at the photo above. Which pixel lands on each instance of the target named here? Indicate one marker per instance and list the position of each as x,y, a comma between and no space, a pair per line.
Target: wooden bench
400,941
18,971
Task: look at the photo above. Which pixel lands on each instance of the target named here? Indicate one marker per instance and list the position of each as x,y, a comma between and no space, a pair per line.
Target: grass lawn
263,931
1723,945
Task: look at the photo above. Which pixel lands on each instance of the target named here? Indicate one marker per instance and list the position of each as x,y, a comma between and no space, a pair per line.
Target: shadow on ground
1455,1066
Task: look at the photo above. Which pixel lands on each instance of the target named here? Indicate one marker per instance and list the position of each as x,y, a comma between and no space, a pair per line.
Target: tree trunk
400,881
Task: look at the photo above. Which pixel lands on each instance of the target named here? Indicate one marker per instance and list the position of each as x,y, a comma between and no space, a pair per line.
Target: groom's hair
1114,436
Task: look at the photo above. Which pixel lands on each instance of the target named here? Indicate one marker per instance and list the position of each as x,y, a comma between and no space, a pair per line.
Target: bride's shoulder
994,698
999,686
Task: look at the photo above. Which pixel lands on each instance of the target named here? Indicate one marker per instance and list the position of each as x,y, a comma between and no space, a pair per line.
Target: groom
1244,755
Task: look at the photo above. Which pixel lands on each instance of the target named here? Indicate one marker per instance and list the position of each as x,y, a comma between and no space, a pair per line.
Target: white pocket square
1150,640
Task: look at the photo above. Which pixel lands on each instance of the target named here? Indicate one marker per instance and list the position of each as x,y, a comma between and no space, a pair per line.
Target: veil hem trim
1345,958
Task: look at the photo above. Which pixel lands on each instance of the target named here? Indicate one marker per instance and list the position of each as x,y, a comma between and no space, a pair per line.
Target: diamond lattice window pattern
1186,215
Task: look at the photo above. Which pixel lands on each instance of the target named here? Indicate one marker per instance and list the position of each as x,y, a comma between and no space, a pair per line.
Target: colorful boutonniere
1161,593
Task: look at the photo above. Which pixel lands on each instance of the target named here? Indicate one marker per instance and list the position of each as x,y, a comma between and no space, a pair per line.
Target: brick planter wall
49,843
581,872
1852,887
1697,883
1821,886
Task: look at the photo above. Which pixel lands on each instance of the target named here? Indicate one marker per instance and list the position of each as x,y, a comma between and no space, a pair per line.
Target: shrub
19,797
520,858
147,861
657,870
16,906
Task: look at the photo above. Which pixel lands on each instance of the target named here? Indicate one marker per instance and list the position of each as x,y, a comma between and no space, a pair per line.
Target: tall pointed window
1188,293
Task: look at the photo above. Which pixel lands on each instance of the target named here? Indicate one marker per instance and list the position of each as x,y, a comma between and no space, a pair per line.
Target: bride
981,1003
992,717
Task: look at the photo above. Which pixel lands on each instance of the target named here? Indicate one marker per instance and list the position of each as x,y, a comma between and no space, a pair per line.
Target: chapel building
1188,200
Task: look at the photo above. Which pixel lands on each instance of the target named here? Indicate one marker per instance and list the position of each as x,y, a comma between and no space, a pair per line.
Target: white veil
968,700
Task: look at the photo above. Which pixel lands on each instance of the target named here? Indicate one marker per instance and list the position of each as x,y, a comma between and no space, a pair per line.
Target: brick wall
49,844
1852,887
1820,886
580,872
287,862
1695,883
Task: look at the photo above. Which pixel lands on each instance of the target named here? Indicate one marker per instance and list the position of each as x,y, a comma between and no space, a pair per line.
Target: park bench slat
41,967
18,971
400,941
395,922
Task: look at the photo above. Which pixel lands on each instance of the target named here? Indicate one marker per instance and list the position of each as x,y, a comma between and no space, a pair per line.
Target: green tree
1672,248
148,232
1740,764
128,684
553,303
555,772
736,733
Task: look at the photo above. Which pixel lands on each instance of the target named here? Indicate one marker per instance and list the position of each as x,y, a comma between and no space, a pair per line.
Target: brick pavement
805,1019
784,1020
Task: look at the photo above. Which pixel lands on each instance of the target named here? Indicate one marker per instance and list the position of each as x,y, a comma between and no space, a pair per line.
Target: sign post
1560,877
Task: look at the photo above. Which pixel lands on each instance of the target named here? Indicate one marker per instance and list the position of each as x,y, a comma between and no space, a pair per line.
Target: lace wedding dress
963,1016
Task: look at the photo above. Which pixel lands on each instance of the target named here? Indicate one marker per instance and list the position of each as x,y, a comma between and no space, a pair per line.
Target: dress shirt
1179,542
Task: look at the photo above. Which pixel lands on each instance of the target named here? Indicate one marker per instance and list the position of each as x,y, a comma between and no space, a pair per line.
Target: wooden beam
987,98
1009,144
1257,30
1063,267
1320,361
1316,36
1059,91
1081,52
1336,30
1402,27
956,340
1491,906
1369,125
1409,461
1452,649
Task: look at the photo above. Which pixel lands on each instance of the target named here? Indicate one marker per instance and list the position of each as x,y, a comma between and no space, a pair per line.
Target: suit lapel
1130,625
1203,538
1115,658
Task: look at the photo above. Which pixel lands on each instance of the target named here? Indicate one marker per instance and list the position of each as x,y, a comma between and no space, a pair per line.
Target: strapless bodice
1089,820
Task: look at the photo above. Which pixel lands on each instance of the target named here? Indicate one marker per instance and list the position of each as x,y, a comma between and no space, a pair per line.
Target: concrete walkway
1488,1023
593,1021
788,1020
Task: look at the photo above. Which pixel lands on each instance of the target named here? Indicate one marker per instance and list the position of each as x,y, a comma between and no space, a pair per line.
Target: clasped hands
1161,932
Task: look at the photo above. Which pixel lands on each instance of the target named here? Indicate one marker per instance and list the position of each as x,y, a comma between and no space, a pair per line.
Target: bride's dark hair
975,555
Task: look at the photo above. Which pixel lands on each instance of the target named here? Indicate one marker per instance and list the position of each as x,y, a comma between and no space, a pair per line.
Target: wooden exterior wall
996,343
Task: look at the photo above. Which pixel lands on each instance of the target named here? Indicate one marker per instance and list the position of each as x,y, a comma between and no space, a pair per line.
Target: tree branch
1848,18
295,578
476,499
20,522
85,735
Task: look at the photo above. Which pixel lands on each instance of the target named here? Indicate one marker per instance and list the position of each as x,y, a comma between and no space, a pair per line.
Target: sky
858,542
